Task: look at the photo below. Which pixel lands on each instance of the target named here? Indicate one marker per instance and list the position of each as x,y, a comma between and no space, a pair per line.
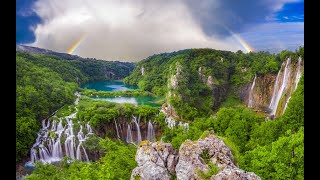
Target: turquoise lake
120,86
108,86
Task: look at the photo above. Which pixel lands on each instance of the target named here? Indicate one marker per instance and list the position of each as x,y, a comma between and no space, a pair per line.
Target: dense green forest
222,73
45,83
273,149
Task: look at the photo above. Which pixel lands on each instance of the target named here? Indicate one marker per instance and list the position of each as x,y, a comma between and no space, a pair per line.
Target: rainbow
243,43
76,44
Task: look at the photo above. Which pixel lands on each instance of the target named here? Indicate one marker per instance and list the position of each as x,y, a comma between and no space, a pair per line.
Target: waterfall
81,139
120,130
250,104
285,106
138,129
115,122
48,145
129,134
296,81
298,76
282,83
150,132
170,122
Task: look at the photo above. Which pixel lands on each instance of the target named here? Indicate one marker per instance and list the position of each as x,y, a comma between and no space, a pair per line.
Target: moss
142,143
205,156
213,169
206,134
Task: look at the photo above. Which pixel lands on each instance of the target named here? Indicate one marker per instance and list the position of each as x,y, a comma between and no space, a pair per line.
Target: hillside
196,82
224,115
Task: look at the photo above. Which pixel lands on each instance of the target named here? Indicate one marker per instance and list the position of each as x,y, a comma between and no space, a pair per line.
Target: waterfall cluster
48,146
131,132
284,85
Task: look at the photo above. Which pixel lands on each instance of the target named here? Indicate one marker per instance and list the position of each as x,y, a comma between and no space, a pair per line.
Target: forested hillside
196,81
45,83
209,96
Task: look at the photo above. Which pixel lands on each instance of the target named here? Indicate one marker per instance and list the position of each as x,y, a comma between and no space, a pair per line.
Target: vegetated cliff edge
196,82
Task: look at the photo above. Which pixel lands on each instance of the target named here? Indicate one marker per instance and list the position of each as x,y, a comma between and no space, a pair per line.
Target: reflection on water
145,100
108,86
119,99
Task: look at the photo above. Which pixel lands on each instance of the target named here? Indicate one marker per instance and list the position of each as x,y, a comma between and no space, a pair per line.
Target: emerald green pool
119,86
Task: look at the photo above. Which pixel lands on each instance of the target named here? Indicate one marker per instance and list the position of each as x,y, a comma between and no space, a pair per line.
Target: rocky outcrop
192,154
155,160
174,80
159,161
229,173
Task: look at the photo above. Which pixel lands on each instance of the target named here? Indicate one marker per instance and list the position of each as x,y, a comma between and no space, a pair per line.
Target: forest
202,85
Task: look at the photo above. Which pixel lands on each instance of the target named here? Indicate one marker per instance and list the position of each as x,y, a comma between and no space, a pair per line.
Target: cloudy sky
131,30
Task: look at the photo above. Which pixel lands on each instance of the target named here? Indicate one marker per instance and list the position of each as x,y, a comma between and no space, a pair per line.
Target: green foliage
213,169
205,156
39,92
26,132
178,135
100,113
234,149
193,97
282,159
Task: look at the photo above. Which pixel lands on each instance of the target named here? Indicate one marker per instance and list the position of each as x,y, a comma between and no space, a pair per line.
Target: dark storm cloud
215,15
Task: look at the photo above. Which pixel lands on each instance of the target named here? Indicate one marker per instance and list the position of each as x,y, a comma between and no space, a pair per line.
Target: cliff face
261,92
269,92
159,161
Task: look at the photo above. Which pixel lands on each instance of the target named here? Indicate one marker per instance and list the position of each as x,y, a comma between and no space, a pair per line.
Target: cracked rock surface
158,160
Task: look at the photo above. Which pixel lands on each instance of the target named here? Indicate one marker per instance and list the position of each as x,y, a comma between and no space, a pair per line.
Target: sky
127,30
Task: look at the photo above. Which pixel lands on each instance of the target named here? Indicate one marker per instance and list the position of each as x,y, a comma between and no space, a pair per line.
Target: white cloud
121,29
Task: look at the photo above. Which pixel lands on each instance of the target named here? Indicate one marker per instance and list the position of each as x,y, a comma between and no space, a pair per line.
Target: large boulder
155,160
158,160
234,173
194,158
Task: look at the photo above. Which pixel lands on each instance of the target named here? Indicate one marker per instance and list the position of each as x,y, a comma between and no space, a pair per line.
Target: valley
189,114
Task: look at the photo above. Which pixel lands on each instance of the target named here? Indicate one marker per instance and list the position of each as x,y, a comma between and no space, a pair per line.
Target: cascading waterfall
81,139
150,132
53,152
129,134
281,82
298,76
285,106
138,129
115,122
48,145
250,104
